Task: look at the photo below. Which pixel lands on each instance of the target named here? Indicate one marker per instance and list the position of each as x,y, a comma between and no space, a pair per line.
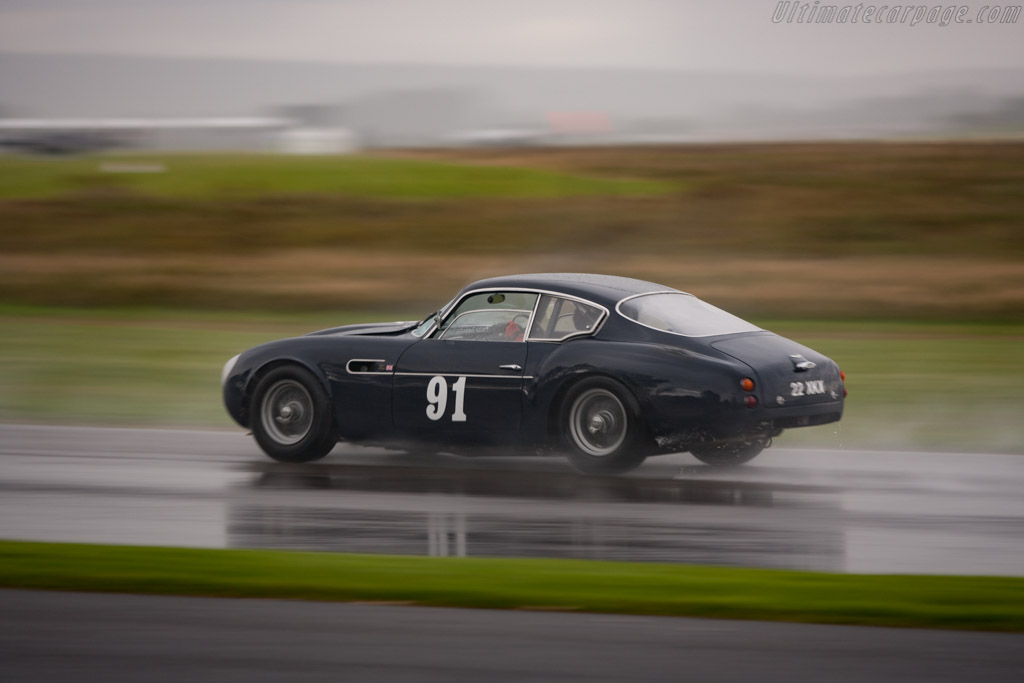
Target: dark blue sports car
606,370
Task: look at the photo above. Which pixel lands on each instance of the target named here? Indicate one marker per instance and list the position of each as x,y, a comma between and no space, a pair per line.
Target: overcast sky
721,35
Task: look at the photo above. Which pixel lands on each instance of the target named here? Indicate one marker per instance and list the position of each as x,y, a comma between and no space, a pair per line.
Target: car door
464,382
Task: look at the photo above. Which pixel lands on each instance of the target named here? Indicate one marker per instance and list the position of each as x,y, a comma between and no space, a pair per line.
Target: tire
291,415
729,454
600,427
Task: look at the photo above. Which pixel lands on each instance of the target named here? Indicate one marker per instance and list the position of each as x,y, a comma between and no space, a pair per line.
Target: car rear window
682,314
559,318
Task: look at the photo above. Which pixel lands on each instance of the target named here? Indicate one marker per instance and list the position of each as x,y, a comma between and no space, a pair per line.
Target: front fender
253,364
360,401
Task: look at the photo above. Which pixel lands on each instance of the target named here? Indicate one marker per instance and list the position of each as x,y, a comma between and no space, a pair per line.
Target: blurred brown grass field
121,294
863,230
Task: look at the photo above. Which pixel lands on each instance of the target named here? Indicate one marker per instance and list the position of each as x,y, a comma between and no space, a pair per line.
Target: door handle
511,366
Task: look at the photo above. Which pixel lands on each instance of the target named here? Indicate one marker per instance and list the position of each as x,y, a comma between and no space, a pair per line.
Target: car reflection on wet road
801,509
486,513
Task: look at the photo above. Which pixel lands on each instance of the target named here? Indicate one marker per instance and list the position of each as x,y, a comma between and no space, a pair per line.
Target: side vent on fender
368,366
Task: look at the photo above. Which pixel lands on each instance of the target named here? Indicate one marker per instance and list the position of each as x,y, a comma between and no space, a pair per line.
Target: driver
513,330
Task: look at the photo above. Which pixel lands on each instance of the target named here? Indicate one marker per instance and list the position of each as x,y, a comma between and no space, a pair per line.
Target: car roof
603,289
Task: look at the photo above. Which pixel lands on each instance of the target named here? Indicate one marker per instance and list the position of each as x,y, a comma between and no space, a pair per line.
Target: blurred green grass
814,198
974,603
936,386
913,385
240,177
128,367
811,199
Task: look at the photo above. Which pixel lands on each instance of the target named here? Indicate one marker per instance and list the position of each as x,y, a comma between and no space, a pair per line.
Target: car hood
367,329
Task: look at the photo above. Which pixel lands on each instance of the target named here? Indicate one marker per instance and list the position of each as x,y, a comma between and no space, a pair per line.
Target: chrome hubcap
598,422
287,412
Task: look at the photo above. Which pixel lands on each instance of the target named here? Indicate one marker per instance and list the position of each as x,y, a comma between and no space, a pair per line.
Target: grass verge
951,602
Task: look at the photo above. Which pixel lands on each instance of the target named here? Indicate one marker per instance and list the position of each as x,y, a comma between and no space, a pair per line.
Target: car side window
489,316
499,325
559,318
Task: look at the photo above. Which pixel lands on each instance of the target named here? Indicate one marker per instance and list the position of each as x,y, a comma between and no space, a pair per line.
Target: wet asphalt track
97,637
829,510
843,511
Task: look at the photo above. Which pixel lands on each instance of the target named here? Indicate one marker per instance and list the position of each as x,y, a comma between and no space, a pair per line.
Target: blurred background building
82,102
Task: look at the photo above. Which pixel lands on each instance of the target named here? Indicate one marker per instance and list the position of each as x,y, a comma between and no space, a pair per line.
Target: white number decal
459,415
437,398
796,389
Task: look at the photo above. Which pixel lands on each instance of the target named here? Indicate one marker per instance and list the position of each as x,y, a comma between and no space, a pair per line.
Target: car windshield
427,322
683,314
424,325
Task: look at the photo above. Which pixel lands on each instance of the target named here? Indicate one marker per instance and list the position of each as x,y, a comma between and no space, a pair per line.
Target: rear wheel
600,426
729,453
291,417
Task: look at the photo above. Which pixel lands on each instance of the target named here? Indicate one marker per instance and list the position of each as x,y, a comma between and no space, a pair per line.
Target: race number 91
437,398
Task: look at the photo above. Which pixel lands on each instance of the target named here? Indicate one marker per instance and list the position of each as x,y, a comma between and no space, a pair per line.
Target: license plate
810,387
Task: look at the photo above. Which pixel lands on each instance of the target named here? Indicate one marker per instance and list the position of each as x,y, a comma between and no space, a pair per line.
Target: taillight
750,401
747,384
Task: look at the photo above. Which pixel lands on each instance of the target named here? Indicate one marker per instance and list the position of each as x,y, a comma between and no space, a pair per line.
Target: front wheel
291,417
600,426
729,454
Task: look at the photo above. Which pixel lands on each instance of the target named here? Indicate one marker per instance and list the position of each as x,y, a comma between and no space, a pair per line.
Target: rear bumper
735,421
802,416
